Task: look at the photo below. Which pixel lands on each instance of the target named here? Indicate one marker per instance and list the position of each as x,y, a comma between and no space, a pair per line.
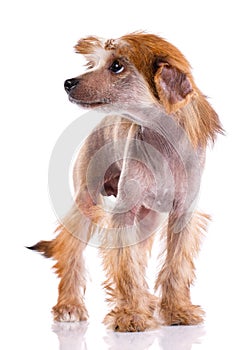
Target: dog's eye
116,67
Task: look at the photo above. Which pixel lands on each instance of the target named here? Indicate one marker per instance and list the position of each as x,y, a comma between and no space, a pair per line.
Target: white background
37,55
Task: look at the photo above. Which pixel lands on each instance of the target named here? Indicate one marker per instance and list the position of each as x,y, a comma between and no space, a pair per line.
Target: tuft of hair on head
43,247
94,49
88,45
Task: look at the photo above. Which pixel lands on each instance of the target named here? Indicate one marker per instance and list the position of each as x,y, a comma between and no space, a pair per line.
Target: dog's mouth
89,104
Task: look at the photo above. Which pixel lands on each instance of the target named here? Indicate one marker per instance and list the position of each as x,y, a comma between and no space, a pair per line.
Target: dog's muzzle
70,84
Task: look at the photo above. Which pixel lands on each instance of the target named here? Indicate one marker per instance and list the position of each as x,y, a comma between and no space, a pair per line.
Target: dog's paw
122,320
69,312
185,316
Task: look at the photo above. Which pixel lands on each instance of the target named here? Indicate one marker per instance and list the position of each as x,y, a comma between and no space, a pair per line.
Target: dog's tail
74,227
43,247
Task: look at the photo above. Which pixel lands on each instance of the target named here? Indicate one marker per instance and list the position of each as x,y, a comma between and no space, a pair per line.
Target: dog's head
142,69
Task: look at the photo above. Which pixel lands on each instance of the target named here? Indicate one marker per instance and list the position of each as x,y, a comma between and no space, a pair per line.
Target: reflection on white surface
138,341
79,336
71,335
180,338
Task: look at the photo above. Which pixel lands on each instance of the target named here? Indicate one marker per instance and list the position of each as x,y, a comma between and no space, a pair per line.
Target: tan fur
158,76
177,273
127,289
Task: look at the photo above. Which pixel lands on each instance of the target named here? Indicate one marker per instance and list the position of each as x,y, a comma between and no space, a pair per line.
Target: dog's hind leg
67,250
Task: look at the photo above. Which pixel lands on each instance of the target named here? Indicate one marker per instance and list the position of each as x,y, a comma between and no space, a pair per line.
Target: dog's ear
174,87
179,95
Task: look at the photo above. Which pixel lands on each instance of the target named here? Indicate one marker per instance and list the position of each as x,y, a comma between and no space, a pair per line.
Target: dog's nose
70,84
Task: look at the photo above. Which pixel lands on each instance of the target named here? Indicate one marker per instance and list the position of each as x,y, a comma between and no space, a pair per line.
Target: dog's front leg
126,245
177,273
127,288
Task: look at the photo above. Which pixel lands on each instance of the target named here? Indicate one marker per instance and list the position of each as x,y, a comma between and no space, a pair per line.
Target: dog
148,153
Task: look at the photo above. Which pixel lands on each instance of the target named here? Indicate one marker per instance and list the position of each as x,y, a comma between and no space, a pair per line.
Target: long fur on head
163,66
